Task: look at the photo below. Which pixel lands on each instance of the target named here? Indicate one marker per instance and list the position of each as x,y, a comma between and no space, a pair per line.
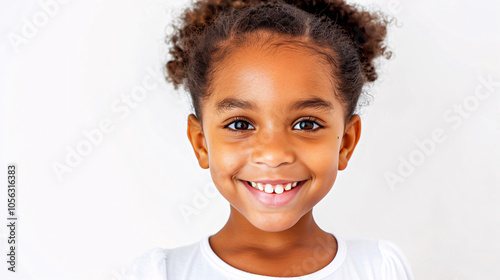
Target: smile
270,188
274,195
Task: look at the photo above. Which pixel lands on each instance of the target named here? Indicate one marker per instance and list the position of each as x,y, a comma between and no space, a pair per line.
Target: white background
125,196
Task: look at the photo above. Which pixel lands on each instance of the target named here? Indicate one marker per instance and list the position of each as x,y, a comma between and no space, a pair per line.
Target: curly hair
348,37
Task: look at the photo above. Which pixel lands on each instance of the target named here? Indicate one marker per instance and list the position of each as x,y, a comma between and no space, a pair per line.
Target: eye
239,124
308,124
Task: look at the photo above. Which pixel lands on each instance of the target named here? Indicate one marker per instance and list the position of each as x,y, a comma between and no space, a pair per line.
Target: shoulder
158,263
383,257
150,265
394,263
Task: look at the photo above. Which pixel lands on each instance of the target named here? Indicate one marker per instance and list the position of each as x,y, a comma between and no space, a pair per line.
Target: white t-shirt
356,259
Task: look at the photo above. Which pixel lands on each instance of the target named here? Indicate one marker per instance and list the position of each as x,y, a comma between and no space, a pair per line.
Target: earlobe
351,137
197,139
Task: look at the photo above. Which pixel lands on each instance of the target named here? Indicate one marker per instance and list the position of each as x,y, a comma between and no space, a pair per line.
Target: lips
273,199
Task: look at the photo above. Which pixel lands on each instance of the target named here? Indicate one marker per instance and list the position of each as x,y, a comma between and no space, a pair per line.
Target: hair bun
366,29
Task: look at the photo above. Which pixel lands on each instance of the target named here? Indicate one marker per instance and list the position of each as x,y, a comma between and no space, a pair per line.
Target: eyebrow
315,102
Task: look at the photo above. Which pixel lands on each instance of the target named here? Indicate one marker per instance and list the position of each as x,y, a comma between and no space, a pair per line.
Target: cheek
321,158
322,161
225,159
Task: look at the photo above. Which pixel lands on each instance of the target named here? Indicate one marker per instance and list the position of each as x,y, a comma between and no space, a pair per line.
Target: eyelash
309,118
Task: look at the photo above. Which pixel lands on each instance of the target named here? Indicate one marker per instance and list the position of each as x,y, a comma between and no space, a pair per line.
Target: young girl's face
275,118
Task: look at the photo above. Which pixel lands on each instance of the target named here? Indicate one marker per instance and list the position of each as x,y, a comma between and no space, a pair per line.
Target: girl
274,86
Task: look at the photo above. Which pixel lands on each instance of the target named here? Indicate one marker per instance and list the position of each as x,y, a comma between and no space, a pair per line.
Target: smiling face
273,118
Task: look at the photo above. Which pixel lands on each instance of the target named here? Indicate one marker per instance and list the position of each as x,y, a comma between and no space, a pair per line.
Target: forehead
278,77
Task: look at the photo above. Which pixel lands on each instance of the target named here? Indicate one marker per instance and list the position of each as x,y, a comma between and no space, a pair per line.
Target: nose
272,149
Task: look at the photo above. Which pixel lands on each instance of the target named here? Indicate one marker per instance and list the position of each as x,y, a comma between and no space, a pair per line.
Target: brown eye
307,125
239,125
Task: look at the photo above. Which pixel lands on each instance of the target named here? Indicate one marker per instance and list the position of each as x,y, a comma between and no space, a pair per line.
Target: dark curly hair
346,36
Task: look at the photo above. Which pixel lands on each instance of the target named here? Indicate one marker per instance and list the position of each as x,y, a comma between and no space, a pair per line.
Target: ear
197,139
350,138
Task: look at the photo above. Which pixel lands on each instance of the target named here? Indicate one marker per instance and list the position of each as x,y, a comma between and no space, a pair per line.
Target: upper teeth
278,188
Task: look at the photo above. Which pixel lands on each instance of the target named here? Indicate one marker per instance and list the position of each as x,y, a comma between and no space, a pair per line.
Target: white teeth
268,188
279,189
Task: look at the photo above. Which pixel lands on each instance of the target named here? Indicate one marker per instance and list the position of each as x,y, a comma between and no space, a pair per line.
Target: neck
239,234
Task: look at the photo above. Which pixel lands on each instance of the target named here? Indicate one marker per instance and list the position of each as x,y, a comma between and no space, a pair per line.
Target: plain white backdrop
425,173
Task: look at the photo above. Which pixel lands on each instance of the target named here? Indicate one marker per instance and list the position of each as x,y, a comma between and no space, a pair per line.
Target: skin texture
273,142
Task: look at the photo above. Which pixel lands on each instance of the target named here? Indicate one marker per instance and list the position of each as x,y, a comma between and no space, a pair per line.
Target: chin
273,223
